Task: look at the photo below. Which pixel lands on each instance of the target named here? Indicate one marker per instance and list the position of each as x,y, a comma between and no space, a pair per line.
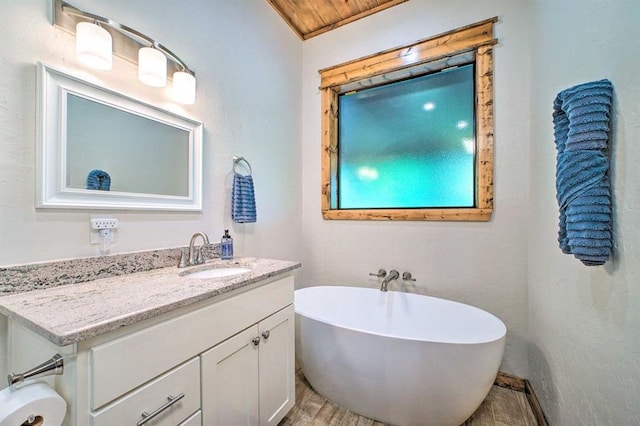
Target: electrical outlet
103,230
104,223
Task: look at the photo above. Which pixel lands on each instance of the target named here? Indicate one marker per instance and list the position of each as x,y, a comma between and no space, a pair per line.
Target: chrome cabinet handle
265,334
147,417
255,341
381,273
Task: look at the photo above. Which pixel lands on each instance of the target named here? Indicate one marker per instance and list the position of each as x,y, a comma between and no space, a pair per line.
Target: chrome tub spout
393,275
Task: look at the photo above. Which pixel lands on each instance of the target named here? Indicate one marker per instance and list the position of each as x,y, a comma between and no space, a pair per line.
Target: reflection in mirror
98,148
157,155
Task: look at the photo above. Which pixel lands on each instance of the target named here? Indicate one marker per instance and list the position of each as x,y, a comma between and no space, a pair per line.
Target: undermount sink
218,273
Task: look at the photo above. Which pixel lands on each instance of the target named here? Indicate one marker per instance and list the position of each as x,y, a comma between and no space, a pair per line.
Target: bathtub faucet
393,275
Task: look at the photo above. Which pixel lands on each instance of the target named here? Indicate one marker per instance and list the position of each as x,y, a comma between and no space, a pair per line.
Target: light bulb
93,46
152,67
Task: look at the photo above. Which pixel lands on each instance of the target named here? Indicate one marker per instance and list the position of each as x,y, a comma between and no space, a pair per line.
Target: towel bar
237,160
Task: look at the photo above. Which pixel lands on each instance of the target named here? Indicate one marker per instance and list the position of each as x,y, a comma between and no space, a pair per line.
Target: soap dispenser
226,246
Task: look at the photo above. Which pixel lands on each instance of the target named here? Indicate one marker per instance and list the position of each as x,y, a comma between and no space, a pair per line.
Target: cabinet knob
265,335
255,341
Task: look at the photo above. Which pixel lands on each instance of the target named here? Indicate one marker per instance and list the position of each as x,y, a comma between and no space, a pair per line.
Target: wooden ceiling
308,18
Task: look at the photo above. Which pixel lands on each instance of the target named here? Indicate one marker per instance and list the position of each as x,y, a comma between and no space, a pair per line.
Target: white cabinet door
230,381
277,366
249,379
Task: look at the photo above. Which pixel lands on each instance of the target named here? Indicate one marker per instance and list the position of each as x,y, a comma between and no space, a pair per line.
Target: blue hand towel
243,199
99,180
581,129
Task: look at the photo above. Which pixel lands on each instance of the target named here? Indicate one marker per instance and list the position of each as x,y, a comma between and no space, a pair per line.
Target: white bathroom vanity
162,348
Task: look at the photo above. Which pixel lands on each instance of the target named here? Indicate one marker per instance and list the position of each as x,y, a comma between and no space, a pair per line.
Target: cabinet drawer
195,420
184,379
124,363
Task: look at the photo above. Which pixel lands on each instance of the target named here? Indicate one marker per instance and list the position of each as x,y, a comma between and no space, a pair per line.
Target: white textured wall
248,68
585,321
483,264
247,63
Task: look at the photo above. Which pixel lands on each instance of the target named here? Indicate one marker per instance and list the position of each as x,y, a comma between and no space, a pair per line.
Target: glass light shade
93,46
184,88
152,67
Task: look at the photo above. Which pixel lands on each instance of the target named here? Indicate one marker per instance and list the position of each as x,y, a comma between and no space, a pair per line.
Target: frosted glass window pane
409,144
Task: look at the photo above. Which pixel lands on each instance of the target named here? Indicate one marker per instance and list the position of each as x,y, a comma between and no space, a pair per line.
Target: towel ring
237,160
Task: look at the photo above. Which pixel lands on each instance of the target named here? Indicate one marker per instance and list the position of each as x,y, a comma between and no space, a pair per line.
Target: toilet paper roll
34,400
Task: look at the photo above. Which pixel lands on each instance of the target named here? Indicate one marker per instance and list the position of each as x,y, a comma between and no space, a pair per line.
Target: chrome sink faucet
194,255
393,275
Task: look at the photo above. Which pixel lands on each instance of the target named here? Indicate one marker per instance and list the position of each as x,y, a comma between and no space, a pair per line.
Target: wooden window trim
437,52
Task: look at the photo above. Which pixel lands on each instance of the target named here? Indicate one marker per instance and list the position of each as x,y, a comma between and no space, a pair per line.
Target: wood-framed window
471,47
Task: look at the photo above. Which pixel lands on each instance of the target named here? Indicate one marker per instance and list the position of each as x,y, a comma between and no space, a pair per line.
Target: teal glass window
408,144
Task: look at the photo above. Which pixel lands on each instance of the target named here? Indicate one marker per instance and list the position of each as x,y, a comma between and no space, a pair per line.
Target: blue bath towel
98,180
243,199
581,127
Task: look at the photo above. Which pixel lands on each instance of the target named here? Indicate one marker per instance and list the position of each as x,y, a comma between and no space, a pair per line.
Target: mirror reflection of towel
243,200
98,180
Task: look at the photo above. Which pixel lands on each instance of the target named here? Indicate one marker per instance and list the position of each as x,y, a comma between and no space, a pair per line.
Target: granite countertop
73,313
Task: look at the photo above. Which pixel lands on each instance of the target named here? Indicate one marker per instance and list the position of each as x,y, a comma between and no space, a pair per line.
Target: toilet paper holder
53,366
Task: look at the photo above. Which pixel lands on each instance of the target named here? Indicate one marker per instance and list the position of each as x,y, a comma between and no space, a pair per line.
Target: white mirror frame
51,190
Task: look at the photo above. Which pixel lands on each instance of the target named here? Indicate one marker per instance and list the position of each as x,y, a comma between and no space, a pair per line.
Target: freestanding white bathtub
399,358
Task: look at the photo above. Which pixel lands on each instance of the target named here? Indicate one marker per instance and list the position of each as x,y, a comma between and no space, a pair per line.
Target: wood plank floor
503,407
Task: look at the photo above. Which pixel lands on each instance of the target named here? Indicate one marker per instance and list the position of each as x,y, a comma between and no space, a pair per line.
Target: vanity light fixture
93,45
97,38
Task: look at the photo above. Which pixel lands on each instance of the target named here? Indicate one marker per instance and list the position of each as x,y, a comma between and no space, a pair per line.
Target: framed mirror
98,149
